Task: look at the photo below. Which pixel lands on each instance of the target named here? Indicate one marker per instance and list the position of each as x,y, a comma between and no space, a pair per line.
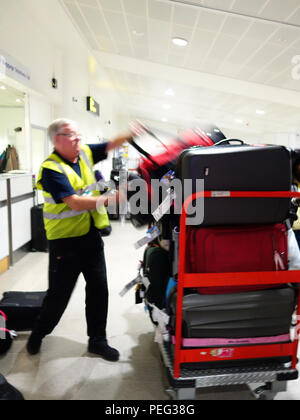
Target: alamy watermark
138,197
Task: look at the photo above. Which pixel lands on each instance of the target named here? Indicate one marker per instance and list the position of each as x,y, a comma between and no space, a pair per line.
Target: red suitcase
232,249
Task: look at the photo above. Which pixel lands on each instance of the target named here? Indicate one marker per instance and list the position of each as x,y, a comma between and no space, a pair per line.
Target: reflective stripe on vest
92,187
64,215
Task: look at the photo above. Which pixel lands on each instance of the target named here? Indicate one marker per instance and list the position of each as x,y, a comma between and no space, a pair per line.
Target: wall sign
93,106
10,67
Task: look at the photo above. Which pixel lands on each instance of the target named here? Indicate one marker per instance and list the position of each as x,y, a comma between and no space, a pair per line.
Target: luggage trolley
275,376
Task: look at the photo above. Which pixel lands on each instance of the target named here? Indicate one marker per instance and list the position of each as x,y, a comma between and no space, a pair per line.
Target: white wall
41,37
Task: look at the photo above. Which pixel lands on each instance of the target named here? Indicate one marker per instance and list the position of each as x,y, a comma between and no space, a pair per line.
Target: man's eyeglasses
71,136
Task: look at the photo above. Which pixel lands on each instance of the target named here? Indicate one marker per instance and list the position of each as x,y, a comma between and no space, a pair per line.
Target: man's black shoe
34,344
101,348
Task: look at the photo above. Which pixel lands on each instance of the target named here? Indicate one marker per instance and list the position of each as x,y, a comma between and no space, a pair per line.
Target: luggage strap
3,315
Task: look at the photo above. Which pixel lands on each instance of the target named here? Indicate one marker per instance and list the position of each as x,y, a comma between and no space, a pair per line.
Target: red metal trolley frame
191,280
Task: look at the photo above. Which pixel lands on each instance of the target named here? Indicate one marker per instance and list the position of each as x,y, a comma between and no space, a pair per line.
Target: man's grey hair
56,126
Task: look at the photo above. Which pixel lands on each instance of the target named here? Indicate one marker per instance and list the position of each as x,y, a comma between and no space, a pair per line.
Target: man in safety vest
74,213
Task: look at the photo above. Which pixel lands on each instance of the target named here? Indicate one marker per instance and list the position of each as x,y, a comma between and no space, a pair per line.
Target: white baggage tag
152,234
146,282
158,338
165,206
130,285
159,316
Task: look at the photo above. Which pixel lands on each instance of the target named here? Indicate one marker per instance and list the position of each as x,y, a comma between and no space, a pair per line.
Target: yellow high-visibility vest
59,219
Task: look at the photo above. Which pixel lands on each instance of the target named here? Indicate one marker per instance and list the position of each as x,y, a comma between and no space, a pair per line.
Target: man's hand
119,140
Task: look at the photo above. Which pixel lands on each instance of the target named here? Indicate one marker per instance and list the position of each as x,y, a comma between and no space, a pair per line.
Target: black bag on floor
39,240
8,392
22,309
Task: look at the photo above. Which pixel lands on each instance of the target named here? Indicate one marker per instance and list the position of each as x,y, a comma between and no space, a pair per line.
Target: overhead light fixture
164,120
180,42
18,100
260,112
170,92
238,121
3,87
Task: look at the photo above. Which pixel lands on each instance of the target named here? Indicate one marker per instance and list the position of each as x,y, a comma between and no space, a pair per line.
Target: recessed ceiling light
180,42
239,121
18,100
3,87
260,112
170,92
164,120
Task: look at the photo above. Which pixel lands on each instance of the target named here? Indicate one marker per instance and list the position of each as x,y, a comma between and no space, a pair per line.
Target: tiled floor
65,371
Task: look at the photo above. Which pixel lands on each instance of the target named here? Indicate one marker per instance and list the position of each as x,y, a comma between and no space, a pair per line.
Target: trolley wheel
263,393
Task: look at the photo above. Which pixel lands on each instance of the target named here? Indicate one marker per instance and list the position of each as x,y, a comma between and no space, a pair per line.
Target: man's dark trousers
67,260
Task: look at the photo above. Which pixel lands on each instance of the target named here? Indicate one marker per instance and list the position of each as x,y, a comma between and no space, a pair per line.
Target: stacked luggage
237,235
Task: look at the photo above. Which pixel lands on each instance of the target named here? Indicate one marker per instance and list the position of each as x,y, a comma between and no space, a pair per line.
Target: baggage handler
74,214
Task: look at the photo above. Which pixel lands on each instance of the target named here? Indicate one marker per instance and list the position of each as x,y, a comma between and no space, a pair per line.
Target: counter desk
16,201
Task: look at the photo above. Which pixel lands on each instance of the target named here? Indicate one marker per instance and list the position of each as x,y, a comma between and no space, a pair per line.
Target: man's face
67,142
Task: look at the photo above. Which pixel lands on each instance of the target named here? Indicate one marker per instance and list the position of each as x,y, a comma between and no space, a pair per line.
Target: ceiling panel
279,10
135,7
185,16
295,17
91,3
211,21
235,25
247,7
77,16
159,10
260,31
115,5
95,20
217,4
221,42
117,26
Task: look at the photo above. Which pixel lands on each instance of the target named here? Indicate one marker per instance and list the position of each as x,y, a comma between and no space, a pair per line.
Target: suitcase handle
228,141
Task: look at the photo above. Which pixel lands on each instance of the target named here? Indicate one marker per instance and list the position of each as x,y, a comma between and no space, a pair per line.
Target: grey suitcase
237,315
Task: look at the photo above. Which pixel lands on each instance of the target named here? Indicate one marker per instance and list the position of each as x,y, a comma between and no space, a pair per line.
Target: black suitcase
157,269
8,392
39,240
239,168
21,309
